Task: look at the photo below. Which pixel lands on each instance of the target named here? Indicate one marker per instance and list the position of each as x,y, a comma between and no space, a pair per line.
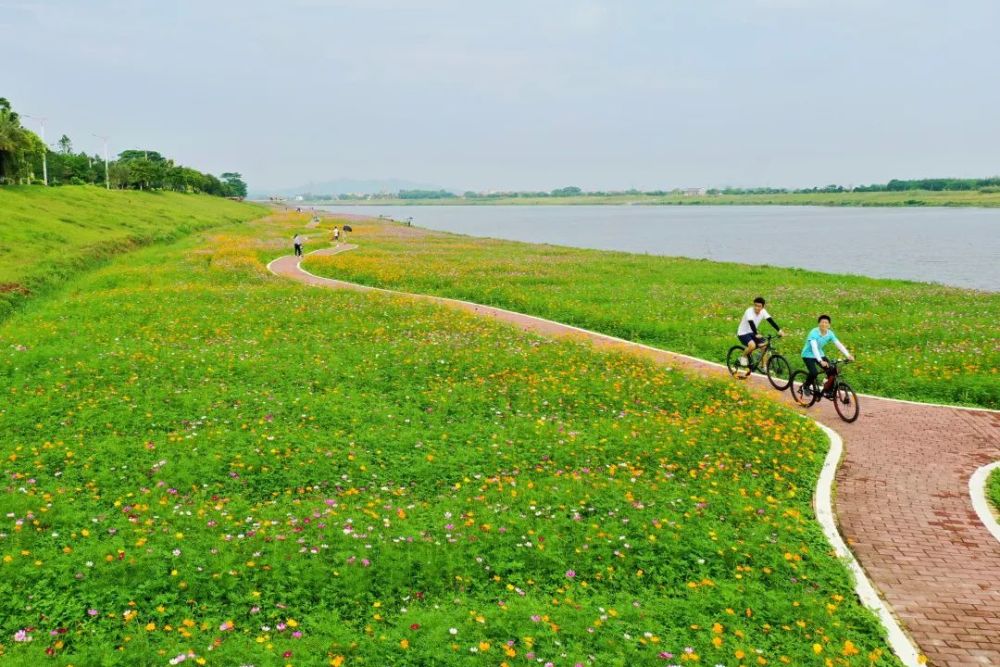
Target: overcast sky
531,94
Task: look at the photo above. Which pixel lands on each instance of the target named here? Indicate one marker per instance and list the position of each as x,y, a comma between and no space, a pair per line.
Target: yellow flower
404,643
817,649
150,626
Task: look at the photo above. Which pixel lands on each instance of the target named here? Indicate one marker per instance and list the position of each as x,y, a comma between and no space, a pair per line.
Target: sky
519,94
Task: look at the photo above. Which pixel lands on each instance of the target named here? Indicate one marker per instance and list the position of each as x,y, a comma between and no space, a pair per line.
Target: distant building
694,192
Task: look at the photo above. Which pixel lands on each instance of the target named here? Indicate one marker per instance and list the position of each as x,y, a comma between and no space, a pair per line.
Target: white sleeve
840,346
815,349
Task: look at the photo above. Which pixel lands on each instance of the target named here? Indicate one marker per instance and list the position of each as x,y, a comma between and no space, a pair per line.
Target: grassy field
207,463
913,341
907,198
49,234
993,490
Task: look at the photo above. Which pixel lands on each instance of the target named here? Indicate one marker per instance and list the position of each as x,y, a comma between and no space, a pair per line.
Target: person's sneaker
744,361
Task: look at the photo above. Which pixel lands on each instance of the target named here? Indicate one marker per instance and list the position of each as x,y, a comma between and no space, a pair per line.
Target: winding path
902,500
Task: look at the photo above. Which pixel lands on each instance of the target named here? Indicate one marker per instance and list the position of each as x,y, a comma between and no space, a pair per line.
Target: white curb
977,489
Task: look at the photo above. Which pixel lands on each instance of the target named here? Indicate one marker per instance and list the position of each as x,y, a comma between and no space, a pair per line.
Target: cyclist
812,352
748,334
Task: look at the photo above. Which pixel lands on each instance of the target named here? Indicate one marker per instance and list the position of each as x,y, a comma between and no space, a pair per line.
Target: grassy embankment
993,490
50,234
914,341
904,198
205,460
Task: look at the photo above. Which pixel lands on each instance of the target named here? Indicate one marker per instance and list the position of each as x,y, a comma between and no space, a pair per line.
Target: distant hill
342,186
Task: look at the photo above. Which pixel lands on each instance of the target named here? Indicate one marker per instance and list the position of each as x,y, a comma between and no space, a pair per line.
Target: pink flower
570,574
22,636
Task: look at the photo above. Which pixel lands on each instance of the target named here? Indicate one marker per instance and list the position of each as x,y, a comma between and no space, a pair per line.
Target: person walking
299,241
336,235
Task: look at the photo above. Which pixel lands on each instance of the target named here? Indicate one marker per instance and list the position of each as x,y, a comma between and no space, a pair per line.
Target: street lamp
45,152
107,181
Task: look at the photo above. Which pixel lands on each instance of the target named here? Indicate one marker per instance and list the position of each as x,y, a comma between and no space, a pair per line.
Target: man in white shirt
299,240
748,333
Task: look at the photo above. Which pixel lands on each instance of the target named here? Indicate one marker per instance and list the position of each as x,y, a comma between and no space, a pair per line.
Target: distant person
299,241
336,234
747,332
812,353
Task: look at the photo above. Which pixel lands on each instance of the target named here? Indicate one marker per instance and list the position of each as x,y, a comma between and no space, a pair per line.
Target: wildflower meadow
203,463
913,340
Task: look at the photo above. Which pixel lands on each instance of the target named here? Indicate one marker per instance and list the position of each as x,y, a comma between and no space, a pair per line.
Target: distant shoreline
908,198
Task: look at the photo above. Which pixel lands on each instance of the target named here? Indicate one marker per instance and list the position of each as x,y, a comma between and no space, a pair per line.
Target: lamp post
107,180
45,150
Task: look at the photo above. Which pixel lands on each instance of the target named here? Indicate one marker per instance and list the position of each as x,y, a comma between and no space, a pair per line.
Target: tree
65,145
234,184
17,146
119,173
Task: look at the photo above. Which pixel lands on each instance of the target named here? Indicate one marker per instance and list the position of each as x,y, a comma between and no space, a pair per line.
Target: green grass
202,457
993,490
908,198
913,340
50,234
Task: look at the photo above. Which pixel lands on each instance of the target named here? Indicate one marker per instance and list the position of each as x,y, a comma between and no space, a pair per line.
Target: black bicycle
844,398
764,359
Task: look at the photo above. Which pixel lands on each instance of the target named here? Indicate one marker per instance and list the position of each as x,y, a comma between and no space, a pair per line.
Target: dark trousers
814,369
298,249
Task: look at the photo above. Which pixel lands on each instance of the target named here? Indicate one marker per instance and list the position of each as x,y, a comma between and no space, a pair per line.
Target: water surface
953,246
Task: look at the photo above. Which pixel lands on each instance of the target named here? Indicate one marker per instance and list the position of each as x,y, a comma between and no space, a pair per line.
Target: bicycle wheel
779,372
798,384
733,363
846,403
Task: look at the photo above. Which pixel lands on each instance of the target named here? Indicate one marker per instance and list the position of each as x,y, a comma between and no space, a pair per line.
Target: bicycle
764,359
844,398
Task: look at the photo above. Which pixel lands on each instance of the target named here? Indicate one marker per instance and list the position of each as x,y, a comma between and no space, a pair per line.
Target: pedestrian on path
299,241
336,235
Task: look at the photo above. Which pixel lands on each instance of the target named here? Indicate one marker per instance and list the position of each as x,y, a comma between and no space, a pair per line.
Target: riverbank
228,460
915,341
972,198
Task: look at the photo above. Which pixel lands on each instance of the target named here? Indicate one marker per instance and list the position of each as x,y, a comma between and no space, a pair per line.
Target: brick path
902,498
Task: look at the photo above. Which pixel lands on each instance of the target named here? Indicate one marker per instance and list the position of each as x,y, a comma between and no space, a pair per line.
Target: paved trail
902,497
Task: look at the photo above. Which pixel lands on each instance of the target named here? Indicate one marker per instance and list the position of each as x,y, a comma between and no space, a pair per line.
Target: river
952,246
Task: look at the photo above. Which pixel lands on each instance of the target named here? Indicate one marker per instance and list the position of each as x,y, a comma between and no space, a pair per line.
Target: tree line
22,154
